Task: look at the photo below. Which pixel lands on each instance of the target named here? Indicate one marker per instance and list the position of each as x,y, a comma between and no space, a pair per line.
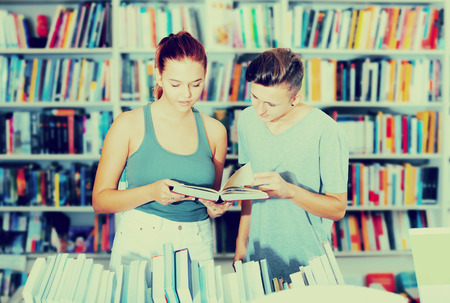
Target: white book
257,282
328,270
196,296
381,30
158,294
219,284
83,282
34,280
346,16
297,27
183,274
210,281
169,273
309,275
327,29
119,284
103,285
132,279
231,288
94,283
337,20
143,281
110,287
240,280
52,284
63,286
297,280
75,278
332,259
318,271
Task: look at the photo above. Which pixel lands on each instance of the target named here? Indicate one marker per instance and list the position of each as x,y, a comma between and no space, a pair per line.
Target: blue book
266,276
183,274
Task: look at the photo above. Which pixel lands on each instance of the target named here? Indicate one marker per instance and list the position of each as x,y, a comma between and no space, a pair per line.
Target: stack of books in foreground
169,277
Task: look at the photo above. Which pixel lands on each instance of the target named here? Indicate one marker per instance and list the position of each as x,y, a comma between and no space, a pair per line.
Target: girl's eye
175,85
196,85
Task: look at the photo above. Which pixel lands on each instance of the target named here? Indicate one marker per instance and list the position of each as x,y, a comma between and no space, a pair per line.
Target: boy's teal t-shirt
151,162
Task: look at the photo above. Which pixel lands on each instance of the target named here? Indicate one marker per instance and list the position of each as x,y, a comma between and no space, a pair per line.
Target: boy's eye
196,85
270,104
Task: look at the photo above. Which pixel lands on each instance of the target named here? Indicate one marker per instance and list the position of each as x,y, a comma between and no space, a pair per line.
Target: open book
232,190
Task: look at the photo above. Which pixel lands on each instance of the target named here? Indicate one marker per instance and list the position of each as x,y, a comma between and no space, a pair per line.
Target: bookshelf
282,22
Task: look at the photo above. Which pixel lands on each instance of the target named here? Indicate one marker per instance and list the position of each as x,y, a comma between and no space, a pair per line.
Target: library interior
69,68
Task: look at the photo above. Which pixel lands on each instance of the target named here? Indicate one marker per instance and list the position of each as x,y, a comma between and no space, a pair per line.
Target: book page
243,176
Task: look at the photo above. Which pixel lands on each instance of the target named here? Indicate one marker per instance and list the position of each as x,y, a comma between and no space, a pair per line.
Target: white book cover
231,288
83,282
240,280
297,280
158,279
94,283
318,271
34,280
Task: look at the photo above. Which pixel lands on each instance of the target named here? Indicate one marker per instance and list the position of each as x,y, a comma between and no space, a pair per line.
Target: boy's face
182,82
271,102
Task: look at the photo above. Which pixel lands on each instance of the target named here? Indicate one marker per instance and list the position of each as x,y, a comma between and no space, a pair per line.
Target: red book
387,280
404,134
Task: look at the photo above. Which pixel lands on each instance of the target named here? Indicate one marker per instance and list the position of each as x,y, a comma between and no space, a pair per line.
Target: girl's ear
158,77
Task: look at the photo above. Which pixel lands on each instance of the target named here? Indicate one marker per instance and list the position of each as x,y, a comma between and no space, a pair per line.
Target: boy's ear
297,99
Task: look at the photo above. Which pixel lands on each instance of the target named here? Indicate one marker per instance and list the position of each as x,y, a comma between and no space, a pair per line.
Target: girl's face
271,102
182,82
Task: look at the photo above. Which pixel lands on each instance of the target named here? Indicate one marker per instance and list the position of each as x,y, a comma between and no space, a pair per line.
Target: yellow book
81,86
408,184
409,30
56,190
424,116
352,29
393,23
355,233
359,29
408,77
431,132
33,79
315,69
66,30
371,11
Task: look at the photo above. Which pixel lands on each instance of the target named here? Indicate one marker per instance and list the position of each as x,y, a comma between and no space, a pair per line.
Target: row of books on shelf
380,185
370,27
386,133
145,24
373,80
86,26
54,79
11,281
171,276
53,131
54,185
377,231
37,232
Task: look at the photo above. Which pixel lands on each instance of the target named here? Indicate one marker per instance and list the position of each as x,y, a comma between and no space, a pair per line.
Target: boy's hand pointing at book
273,184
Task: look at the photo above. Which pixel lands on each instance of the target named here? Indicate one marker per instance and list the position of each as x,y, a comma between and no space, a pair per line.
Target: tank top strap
202,138
148,120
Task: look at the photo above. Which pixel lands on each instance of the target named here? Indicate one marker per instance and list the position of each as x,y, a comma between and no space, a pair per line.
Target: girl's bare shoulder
213,126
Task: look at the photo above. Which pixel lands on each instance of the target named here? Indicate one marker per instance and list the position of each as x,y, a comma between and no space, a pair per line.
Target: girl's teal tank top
151,162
